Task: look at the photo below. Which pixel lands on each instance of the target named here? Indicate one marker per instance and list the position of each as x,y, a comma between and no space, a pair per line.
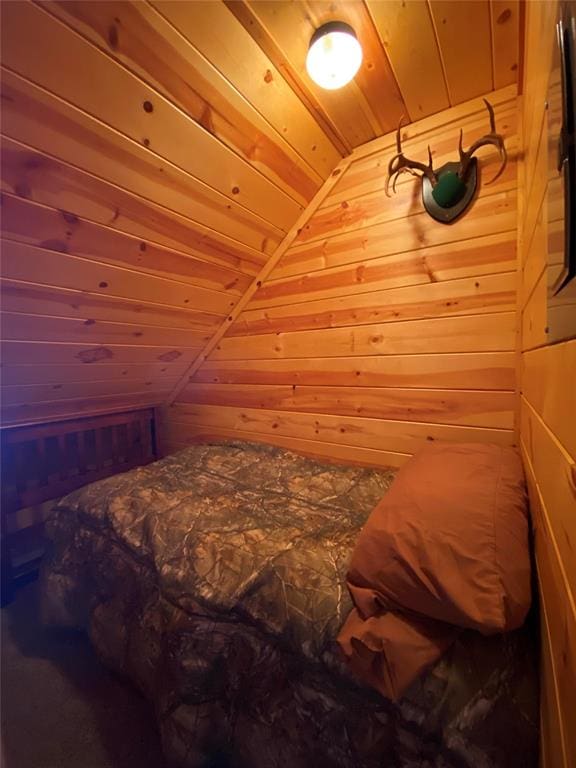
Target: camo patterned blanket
215,580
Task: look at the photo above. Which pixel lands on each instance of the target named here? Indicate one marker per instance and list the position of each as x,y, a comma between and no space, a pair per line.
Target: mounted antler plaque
448,191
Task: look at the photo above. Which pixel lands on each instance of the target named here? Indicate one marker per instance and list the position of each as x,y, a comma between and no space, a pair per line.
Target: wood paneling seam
439,47
324,190
552,662
551,536
162,97
257,256
85,413
428,124
203,258
551,434
545,521
227,200
246,17
165,96
117,265
278,136
285,301
190,422
401,217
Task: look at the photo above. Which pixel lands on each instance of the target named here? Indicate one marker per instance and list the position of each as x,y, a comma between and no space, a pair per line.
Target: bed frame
43,462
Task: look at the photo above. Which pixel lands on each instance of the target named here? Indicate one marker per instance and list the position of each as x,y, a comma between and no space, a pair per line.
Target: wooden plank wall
145,181
155,154
548,411
379,329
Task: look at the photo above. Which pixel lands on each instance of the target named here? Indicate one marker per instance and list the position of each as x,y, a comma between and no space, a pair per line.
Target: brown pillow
448,542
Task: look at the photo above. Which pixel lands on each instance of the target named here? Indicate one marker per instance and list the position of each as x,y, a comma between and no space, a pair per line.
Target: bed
214,580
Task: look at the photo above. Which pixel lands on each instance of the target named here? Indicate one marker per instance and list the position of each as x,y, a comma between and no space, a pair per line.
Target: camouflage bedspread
215,580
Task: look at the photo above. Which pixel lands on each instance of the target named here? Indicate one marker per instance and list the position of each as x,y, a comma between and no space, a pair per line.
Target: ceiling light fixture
334,55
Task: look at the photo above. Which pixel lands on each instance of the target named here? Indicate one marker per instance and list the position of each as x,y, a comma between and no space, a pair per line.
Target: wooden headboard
42,462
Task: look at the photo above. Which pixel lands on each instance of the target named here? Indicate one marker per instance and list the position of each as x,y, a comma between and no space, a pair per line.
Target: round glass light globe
334,58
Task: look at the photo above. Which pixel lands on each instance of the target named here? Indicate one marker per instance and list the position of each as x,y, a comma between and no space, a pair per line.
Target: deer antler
400,164
490,138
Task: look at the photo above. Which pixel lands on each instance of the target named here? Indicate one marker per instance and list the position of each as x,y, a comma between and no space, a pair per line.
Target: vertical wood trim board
373,329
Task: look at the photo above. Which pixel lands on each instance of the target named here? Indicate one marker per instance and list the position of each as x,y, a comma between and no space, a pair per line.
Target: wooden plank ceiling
155,155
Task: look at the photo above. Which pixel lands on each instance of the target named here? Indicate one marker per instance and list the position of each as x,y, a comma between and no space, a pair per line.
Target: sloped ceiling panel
156,154
420,57
147,177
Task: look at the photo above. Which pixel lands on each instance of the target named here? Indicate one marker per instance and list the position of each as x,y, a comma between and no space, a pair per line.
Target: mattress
215,581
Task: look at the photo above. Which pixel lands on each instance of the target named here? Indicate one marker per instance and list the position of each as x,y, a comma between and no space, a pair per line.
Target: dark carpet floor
60,707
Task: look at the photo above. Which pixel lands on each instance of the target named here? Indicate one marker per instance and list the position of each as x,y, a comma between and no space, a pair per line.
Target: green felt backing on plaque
448,190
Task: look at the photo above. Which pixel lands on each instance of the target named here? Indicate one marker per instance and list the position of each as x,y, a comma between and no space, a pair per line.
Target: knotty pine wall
155,155
146,178
379,329
548,411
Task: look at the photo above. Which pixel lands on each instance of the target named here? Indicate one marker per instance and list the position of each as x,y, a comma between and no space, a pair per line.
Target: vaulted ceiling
419,57
156,154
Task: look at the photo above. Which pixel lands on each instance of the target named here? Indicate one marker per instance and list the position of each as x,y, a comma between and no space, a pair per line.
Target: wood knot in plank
54,245
94,355
69,218
169,357
22,189
113,37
